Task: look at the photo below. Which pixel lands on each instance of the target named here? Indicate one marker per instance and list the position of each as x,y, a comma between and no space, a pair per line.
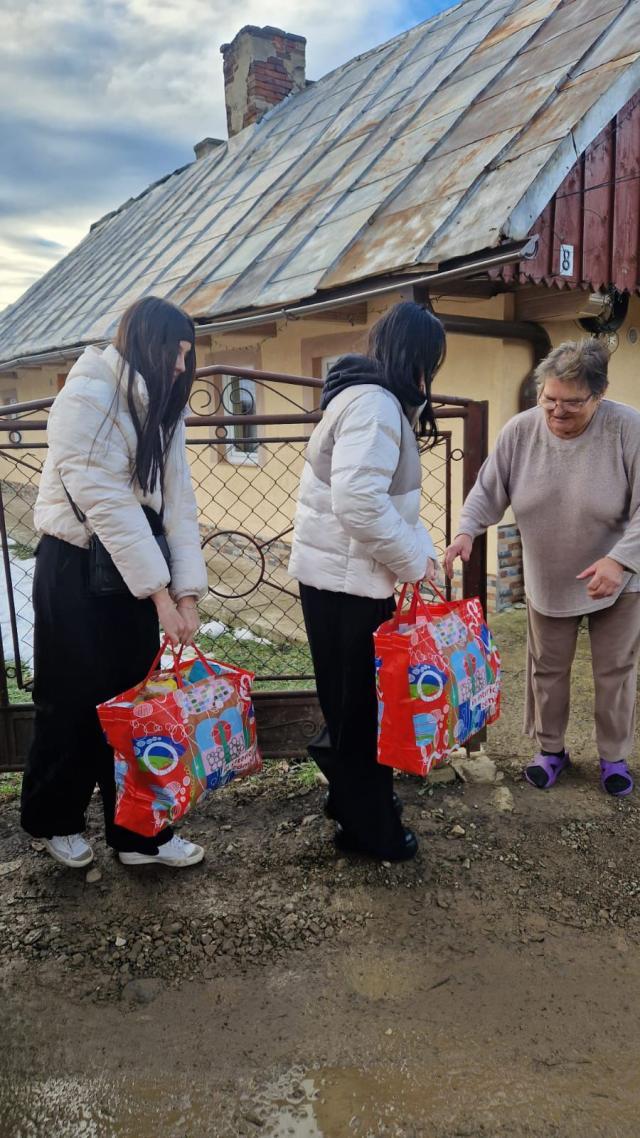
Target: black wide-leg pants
86,650
340,629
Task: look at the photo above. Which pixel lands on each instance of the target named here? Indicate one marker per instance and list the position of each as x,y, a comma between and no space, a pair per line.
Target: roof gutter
523,251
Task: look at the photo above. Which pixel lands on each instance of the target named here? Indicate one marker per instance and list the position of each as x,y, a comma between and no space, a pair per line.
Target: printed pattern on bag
175,743
438,683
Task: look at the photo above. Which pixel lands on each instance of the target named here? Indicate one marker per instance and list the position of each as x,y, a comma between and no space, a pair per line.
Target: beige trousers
614,634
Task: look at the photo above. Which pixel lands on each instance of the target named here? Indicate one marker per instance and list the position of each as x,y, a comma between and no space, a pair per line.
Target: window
327,363
239,398
8,396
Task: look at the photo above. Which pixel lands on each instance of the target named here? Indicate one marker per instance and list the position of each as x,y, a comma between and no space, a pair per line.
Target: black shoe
397,806
404,851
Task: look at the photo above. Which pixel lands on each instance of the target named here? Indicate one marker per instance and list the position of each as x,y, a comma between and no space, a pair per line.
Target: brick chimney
261,67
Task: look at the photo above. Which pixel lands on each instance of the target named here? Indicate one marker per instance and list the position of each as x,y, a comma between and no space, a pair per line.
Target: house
486,161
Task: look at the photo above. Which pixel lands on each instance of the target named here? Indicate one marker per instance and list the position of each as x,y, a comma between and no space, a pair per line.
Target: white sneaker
177,854
69,849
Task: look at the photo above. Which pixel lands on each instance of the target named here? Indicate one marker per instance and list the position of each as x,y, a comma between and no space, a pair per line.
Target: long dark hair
409,343
148,339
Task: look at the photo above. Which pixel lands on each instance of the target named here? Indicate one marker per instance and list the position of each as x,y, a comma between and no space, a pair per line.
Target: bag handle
440,595
416,602
82,518
177,660
207,664
166,643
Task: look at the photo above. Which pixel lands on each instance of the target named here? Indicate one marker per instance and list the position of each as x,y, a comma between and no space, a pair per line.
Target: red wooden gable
597,211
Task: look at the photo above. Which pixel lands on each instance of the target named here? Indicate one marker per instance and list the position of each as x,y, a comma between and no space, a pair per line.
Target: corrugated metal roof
445,141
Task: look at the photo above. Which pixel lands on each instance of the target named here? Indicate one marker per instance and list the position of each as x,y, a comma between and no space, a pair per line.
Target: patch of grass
16,694
21,551
263,659
10,785
304,774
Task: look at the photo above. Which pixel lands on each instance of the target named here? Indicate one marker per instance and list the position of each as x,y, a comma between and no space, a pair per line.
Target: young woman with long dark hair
117,469
357,533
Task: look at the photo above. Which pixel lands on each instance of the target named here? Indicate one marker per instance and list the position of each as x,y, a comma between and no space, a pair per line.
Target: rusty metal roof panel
446,140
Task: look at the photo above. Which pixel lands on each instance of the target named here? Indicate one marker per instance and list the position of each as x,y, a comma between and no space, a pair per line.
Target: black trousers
87,649
340,630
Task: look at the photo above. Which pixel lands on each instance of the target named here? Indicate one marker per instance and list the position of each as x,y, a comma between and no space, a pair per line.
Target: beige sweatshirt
574,500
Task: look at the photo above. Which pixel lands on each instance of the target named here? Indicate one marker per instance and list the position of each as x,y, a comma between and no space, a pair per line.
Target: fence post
475,447
4,539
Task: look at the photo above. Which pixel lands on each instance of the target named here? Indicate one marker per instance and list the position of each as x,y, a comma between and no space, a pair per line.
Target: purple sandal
619,772
548,765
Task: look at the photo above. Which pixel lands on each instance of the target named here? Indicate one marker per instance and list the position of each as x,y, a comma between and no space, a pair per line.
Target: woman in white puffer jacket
116,468
357,533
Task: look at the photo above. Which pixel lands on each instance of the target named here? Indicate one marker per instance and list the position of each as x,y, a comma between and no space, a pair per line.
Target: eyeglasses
570,405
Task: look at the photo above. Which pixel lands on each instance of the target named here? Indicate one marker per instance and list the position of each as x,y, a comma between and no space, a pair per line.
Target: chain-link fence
246,433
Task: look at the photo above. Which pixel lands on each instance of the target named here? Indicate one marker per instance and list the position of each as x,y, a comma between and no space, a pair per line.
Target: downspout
524,331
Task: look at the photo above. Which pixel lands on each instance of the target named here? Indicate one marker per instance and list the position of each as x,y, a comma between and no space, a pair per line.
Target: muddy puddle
328,1103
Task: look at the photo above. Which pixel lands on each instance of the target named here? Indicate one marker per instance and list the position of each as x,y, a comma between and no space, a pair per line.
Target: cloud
102,97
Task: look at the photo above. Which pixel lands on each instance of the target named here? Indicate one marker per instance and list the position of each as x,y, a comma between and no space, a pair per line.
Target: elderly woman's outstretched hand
606,578
460,547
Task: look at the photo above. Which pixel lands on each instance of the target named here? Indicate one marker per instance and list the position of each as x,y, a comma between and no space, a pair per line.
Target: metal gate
246,435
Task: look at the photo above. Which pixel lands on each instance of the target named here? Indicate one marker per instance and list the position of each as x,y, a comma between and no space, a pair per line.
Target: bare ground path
490,988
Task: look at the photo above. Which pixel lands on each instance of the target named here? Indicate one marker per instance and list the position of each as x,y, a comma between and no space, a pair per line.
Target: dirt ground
489,988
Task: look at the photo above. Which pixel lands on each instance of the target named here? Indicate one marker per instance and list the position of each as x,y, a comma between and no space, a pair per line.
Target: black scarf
352,371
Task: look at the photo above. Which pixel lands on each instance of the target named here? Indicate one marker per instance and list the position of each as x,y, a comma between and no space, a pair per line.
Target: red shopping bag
437,679
182,732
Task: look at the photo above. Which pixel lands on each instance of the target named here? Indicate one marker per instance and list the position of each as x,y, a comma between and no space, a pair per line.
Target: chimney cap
206,145
266,33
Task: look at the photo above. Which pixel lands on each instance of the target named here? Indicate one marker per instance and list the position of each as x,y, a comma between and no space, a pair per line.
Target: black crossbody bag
105,580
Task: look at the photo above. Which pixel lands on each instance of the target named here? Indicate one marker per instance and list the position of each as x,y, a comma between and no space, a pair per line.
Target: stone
502,799
480,768
457,831
93,875
252,1118
142,991
120,941
8,867
440,776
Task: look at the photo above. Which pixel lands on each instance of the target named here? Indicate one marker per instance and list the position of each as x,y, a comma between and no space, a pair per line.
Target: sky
99,98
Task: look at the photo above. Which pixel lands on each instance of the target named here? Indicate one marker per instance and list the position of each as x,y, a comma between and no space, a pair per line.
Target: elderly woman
570,469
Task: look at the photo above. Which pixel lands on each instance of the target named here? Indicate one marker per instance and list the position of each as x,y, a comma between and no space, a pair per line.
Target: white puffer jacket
92,447
357,527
